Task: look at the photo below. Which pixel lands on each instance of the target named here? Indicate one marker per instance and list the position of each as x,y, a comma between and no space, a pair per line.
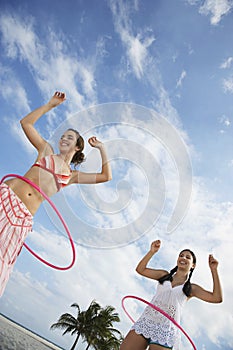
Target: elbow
138,270
109,174
106,178
23,123
109,177
220,300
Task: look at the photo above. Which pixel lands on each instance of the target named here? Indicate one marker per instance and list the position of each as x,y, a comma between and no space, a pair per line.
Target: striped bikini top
47,163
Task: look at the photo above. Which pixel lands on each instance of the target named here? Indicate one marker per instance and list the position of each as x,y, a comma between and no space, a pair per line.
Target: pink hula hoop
60,217
159,310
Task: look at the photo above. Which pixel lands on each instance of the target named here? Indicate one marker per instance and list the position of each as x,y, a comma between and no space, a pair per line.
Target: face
68,141
185,260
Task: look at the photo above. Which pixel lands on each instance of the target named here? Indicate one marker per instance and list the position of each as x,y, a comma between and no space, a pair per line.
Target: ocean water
15,337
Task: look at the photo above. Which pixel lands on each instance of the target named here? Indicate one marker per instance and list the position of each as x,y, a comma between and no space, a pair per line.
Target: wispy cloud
181,78
13,91
15,94
216,9
224,121
228,84
227,63
137,44
51,64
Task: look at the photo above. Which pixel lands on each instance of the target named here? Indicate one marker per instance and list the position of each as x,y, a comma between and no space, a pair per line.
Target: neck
181,275
66,157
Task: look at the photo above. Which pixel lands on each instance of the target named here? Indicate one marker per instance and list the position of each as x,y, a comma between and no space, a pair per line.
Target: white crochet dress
152,324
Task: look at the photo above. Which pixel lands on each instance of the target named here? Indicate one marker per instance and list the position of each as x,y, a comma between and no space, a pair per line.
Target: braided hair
187,288
79,156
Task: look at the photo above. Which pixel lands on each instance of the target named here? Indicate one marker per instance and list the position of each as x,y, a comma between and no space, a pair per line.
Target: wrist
49,106
151,252
101,147
214,270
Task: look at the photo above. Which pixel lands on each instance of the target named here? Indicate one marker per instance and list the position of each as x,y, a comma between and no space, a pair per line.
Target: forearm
142,265
217,289
106,167
33,116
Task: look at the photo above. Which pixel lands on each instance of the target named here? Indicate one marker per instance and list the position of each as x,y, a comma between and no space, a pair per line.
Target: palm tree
101,332
70,324
90,315
111,343
95,326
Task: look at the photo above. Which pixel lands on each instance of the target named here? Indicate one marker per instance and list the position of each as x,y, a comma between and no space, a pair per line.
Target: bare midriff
28,194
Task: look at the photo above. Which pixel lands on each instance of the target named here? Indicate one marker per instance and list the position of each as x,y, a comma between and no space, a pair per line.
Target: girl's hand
155,246
57,99
94,142
213,263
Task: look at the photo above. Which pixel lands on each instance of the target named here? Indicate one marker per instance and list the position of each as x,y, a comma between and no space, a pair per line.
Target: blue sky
154,81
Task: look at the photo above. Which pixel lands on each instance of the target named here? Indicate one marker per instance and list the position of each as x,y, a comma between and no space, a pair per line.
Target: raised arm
215,296
142,268
29,120
93,178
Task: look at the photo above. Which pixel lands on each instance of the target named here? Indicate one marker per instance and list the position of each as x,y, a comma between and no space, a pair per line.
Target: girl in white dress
152,328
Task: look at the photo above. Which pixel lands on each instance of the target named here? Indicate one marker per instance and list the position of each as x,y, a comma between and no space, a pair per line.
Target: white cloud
137,52
49,61
18,37
181,78
136,44
228,85
227,63
141,62
225,121
13,91
216,8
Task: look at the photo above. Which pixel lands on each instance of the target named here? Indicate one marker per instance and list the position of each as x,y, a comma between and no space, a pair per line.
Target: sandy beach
15,337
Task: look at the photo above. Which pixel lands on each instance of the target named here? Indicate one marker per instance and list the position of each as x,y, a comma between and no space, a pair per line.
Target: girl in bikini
153,329
19,201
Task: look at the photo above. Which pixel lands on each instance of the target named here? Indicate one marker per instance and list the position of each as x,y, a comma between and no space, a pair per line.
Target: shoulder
163,272
195,290
47,151
74,177
195,286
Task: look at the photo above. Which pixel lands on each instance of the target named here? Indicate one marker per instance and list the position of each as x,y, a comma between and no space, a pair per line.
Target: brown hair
79,156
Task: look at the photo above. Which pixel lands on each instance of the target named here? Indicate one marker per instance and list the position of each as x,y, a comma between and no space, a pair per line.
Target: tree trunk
75,343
